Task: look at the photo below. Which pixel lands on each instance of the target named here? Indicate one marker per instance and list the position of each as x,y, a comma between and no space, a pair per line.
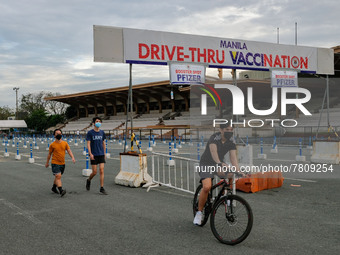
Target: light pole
16,102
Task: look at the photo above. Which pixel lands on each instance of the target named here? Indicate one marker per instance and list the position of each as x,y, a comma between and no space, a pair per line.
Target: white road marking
301,180
20,211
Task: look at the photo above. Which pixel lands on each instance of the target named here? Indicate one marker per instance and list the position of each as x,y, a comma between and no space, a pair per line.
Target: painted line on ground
301,180
20,211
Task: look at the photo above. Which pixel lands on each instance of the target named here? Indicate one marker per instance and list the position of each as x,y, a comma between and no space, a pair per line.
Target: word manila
238,56
238,102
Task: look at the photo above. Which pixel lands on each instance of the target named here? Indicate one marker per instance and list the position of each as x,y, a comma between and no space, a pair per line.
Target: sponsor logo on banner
281,79
187,74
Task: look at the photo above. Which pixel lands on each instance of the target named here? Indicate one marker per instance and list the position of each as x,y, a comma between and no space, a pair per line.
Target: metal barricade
180,175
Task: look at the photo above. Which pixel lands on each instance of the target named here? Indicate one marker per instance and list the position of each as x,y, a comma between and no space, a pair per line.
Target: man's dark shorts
98,160
204,173
57,169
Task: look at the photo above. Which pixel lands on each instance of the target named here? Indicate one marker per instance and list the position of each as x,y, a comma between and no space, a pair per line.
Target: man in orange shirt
58,148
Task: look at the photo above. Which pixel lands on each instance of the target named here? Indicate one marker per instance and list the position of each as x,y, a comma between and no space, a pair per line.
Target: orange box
258,181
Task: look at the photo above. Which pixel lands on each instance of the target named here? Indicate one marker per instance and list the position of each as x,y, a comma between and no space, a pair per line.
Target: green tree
53,120
32,102
6,112
37,120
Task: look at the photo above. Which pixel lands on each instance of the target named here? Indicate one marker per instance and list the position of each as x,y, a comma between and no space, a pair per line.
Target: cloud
48,45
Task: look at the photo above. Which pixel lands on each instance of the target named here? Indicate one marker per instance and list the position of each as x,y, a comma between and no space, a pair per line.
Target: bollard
18,156
36,147
75,141
153,141
182,142
149,148
25,145
175,150
6,154
108,155
13,144
179,143
31,159
87,171
170,161
120,141
125,143
190,143
247,142
300,157
84,152
172,140
274,148
164,140
310,146
261,155
48,144
198,152
202,140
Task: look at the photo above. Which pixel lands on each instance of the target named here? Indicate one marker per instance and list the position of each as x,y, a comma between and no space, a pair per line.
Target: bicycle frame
225,188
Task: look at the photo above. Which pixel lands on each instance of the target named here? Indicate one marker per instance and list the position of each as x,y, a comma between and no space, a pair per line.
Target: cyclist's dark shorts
204,172
57,169
98,160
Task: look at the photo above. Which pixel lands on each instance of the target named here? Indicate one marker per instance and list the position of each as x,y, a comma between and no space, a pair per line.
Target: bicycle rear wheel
231,220
207,207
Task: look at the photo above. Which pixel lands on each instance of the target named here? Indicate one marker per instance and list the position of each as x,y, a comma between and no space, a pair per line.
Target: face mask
98,124
228,135
58,137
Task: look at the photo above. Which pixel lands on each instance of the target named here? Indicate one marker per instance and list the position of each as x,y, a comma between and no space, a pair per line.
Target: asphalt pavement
301,217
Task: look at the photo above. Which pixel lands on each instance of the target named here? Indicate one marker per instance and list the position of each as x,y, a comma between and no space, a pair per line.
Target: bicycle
231,216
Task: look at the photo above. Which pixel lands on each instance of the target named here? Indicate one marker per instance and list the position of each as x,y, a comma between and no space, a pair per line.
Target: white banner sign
282,79
125,45
187,74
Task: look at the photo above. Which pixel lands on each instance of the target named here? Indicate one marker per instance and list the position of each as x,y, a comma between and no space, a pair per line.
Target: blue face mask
98,124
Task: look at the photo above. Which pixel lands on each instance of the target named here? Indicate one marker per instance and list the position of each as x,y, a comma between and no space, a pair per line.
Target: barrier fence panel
181,175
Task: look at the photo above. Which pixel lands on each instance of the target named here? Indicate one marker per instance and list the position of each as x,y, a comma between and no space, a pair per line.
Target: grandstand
154,108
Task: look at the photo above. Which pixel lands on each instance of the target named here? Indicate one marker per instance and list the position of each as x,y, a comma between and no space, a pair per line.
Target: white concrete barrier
133,170
326,152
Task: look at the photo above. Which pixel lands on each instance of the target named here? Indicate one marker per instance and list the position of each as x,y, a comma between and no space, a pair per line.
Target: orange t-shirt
58,150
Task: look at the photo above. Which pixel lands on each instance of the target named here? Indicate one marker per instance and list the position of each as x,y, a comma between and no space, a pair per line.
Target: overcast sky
48,45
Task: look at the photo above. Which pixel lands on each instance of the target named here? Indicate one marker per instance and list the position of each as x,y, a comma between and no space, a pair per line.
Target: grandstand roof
138,90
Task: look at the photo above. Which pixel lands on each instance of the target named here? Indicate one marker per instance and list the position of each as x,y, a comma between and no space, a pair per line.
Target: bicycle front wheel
231,220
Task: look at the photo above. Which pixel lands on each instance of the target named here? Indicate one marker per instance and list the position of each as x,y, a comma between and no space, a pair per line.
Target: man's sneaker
88,184
63,193
54,189
198,218
102,190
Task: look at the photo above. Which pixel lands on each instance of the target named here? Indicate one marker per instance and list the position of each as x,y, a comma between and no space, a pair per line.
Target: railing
178,173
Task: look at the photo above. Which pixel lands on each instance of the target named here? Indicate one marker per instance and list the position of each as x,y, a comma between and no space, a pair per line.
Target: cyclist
211,163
